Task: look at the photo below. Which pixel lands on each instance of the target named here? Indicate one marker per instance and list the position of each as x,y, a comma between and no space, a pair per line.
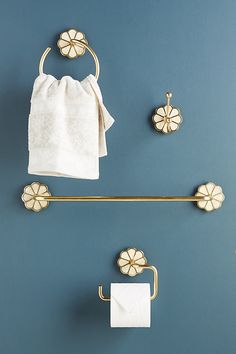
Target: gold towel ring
71,42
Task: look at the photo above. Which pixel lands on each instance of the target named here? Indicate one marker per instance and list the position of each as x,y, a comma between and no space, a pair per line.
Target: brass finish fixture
214,192
30,193
72,44
167,119
69,43
36,197
132,262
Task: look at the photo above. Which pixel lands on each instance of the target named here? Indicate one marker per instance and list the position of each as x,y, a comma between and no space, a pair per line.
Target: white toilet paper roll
130,305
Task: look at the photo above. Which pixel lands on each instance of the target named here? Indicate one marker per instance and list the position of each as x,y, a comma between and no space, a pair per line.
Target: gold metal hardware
72,44
167,119
36,197
132,262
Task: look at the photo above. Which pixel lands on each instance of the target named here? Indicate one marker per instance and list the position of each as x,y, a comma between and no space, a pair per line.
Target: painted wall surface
51,263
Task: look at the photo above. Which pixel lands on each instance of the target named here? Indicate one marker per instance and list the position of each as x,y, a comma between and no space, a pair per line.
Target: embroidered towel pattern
67,126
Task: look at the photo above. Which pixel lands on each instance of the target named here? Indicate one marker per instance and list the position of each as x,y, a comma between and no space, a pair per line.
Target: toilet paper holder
133,262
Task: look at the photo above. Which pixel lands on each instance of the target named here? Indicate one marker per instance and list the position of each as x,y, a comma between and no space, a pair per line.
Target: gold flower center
167,119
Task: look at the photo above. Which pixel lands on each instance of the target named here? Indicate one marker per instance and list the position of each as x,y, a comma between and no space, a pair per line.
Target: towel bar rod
36,197
122,198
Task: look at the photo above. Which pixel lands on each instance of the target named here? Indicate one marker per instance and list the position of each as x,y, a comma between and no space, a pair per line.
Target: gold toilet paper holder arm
133,262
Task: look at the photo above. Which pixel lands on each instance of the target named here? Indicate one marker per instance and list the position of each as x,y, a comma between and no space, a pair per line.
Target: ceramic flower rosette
167,119
69,45
131,261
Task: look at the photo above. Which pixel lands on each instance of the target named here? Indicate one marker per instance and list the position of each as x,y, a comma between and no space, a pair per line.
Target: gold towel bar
36,197
132,262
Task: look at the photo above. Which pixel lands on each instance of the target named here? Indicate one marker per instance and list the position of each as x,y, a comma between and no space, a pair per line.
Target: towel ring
70,43
133,262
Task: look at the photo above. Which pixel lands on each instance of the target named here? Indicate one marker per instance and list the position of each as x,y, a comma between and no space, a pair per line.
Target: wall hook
167,119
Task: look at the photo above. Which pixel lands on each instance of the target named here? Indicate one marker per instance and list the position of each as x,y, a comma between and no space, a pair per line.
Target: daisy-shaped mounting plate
30,193
167,119
69,44
213,194
131,261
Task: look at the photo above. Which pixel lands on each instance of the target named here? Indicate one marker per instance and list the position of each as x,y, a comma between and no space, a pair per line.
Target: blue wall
51,263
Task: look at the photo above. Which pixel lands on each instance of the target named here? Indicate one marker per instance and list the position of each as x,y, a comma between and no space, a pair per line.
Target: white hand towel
67,126
130,305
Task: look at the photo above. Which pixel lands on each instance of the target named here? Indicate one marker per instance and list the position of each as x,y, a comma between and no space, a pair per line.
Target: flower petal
176,119
202,189
72,53
30,204
174,112
65,36
217,190
125,269
141,261
160,125
167,110
202,204
62,43
80,50
139,270
28,190
165,128
209,206
65,50
173,126
132,271
138,255
42,189
210,187
131,252
219,197
216,204
72,33
37,206
157,118
35,186
125,255
160,111
79,36
26,197
43,203
122,262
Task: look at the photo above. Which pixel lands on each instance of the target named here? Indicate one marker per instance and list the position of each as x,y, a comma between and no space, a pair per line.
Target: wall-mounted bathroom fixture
133,262
72,44
167,119
130,303
36,197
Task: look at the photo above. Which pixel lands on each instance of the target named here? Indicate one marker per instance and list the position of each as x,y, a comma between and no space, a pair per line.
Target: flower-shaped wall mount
131,261
213,194
69,45
167,119
31,191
